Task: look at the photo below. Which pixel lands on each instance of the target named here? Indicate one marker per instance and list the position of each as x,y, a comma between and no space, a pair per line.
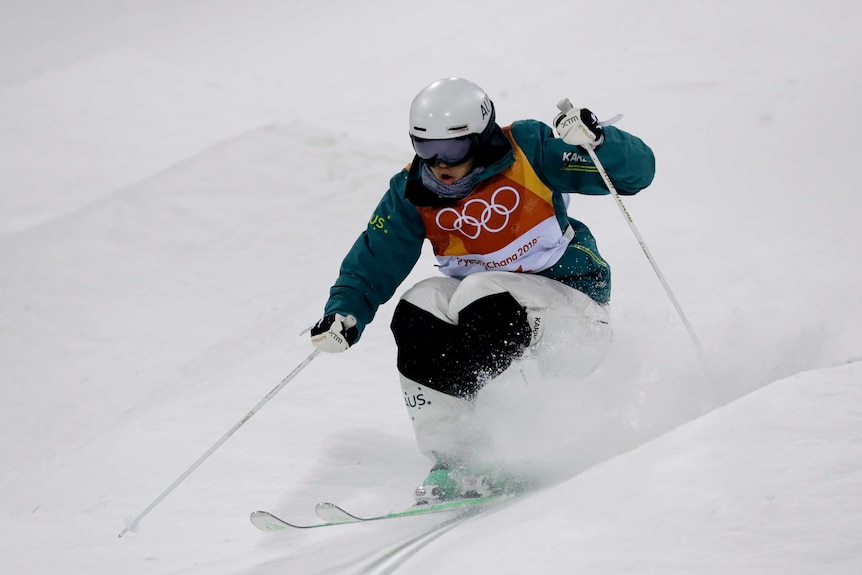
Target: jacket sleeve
380,259
629,162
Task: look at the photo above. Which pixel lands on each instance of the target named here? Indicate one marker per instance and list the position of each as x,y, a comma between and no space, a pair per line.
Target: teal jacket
526,156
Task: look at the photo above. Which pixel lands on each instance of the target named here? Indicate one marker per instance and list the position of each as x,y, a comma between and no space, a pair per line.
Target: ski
332,514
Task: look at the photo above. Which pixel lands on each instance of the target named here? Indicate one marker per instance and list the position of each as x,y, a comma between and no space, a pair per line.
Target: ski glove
334,333
579,127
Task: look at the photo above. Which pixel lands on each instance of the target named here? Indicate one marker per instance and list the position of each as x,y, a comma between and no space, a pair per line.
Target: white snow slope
180,180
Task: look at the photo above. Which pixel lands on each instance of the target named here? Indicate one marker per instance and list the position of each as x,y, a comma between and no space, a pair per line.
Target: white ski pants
562,329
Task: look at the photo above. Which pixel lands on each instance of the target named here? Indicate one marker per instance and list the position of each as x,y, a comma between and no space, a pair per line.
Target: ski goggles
451,152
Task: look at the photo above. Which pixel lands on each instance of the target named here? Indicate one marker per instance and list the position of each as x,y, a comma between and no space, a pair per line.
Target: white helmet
451,108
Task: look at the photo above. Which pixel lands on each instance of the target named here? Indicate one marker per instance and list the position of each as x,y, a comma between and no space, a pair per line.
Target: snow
180,180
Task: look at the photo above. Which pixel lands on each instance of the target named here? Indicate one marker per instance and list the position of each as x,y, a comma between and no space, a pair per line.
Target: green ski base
333,515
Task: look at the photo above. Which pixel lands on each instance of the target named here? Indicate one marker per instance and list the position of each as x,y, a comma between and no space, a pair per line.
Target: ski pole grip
564,105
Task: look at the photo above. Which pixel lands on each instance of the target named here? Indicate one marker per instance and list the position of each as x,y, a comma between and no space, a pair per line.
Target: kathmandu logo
574,158
477,215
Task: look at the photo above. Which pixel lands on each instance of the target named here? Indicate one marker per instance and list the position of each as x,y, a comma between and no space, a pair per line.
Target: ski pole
564,106
132,525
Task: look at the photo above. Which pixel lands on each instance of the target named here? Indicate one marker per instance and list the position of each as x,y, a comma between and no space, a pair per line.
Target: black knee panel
459,359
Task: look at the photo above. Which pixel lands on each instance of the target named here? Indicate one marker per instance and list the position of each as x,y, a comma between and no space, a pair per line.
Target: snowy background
179,181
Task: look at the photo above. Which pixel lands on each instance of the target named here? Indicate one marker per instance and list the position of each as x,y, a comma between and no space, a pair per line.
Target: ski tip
334,514
266,521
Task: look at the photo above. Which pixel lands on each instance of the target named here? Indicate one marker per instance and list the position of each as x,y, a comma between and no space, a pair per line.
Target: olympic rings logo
477,214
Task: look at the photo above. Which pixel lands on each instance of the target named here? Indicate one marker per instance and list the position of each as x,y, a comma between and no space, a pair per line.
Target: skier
520,277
